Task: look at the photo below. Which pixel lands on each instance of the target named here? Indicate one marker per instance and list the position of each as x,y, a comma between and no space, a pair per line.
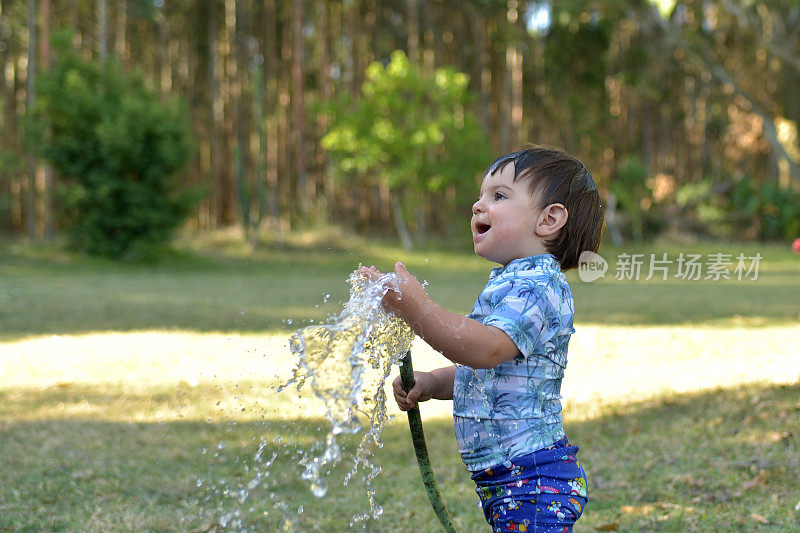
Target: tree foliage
118,149
410,130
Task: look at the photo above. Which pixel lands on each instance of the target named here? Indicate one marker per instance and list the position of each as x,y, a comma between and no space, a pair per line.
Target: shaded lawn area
717,459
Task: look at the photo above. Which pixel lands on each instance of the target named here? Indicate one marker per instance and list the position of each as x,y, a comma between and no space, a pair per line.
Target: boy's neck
539,249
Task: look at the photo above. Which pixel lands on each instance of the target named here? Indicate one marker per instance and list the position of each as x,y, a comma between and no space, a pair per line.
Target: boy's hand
411,296
372,273
423,390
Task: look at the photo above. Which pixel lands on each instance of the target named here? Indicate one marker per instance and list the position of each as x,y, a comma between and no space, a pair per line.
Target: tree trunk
325,176
422,223
352,62
102,29
514,66
412,27
484,73
288,184
30,99
163,56
496,94
215,118
428,46
47,207
400,222
241,96
516,97
227,114
260,155
120,32
611,220
5,130
504,107
304,186
272,70
15,88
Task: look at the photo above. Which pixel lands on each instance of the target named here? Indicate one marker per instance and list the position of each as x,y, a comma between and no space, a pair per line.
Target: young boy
538,210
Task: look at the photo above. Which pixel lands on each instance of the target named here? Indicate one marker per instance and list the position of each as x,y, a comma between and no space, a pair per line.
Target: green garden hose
421,450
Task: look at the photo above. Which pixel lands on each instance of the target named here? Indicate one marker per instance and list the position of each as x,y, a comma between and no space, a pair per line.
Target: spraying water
346,362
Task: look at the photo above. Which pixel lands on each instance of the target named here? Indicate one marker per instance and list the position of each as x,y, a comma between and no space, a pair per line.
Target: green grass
119,383
108,457
47,292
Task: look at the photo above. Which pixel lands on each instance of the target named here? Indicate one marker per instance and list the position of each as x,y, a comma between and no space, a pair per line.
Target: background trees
117,149
695,99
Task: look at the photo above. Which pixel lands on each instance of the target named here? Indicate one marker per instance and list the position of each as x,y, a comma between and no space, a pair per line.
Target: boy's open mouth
481,227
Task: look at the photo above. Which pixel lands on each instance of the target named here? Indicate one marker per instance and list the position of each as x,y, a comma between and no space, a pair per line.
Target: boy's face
504,219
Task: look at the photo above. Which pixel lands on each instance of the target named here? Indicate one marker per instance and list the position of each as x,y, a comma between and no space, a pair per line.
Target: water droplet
319,488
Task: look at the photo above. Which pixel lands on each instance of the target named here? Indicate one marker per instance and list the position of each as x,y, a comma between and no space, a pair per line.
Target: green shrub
117,148
773,212
629,186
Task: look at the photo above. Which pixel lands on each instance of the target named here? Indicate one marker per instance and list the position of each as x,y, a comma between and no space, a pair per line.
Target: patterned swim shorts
543,491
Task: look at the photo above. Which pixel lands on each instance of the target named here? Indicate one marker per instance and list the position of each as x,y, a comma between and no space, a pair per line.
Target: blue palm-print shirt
514,408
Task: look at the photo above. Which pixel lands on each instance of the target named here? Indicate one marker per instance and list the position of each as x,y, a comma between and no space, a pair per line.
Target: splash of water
346,362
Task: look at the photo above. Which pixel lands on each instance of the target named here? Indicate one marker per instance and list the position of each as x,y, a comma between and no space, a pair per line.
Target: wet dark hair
559,178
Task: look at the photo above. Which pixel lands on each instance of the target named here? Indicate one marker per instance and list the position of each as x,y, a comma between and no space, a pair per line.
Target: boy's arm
460,339
444,379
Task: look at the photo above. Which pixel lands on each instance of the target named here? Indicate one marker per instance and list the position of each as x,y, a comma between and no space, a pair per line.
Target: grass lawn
136,397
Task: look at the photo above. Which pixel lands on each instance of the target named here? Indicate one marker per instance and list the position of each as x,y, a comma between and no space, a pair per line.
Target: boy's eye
499,196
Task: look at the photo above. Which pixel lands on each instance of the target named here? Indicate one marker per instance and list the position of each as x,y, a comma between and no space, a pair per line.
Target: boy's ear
551,219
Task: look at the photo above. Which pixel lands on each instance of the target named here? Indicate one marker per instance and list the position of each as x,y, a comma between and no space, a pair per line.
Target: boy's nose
477,207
